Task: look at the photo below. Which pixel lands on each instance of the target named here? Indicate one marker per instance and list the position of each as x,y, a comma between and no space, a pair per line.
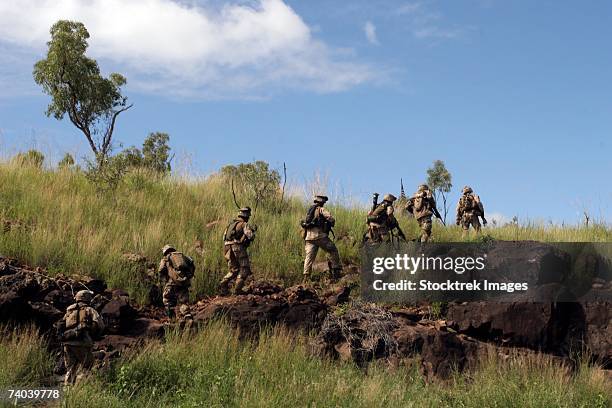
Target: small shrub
31,158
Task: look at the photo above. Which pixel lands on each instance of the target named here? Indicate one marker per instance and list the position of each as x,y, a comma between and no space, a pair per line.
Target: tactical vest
78,318
181,268
379,215
314,218
234,231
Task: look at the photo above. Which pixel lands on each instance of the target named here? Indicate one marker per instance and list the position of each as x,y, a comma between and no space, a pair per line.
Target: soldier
382,221
237,237
175,272
469,209
79,324
423,206
317,226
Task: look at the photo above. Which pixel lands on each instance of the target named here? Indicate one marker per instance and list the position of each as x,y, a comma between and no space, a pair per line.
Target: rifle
438,216
374,201
400,233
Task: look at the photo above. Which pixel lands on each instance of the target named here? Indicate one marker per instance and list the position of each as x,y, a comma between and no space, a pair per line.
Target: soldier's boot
239,285
224,287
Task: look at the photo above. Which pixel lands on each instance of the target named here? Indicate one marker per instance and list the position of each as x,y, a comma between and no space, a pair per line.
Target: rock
338,296
410,338
598,318
144,327
118,314
116,342
444,352
134,258
44,314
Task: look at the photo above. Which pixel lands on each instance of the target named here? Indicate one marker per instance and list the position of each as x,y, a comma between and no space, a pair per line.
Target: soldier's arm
98,321
162,270
249,233
327,215
458,220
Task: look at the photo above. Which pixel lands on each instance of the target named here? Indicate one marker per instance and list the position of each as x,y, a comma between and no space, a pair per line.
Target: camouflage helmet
389,198
320,198
167,248
423,187
467,190
84,296
244,212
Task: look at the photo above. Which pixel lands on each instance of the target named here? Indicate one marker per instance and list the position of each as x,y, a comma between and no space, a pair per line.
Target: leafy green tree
156,152
440,181
256,181
77,88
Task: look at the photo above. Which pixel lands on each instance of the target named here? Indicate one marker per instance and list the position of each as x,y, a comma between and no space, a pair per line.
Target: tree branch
109,131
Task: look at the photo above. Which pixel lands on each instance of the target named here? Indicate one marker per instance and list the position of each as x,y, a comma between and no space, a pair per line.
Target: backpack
77,321
231,232
181,268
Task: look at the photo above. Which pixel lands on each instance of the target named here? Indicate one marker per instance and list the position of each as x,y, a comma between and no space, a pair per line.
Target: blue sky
515,96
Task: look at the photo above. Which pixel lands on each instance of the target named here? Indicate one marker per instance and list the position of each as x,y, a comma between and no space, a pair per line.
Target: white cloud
425,24
239,49
370,32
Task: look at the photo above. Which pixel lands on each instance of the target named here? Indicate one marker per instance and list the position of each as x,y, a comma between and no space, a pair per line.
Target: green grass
24,360
73,228
212,368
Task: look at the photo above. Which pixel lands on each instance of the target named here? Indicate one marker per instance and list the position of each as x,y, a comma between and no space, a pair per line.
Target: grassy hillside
214,369
68,226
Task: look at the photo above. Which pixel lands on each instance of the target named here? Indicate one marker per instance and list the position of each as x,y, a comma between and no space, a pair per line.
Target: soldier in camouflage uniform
175,272
423,206
381,222
469,209
237,237
79,324
317,226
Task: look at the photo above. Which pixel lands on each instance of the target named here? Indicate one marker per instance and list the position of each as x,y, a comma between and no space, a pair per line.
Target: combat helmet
467,190
244,212
84,296
167,248
389,198
320,198
423,187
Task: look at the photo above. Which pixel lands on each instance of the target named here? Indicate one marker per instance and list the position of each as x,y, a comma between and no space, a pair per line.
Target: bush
67,162
31,158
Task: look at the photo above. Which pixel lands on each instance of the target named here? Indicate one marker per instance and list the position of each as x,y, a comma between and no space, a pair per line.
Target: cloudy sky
515,97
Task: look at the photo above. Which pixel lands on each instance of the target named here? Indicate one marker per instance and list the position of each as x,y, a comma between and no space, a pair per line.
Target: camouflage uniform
382,221
80,322
317,225
423,206
469,208
176,288
238,236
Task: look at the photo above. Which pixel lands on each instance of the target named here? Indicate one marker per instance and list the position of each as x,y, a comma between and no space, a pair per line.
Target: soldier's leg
234,269
425,225
333,256
465,225
245,268
475,223
75,358
182,295
169,298
71,363
311,249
